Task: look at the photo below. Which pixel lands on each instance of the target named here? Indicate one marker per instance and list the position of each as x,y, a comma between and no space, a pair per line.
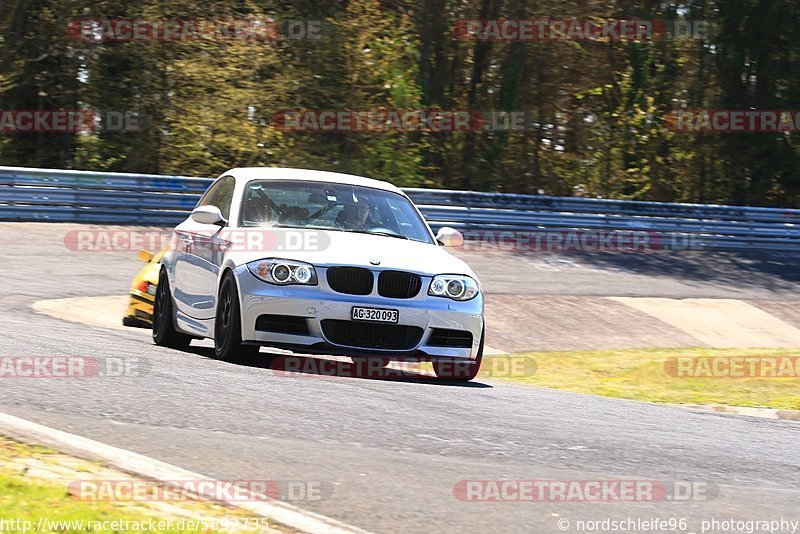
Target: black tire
228,326
458,371
134,322
164,333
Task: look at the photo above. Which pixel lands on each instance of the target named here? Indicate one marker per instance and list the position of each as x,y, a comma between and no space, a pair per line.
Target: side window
220,194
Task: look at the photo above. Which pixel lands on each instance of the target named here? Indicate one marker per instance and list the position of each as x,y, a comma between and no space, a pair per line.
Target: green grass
640,375
24,500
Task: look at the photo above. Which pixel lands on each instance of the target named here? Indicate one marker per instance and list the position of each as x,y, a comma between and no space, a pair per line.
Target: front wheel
164,333
228,326
460,371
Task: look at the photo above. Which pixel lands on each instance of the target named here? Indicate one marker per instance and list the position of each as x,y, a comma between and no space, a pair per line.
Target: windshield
331,206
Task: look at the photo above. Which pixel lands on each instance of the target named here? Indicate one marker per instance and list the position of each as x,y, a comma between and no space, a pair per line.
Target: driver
256,211
355,215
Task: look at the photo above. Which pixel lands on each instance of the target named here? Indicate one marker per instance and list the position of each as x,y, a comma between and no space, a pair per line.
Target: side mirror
208,215
145,256
449,237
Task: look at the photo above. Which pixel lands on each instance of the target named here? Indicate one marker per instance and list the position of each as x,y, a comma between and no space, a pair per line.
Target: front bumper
319,303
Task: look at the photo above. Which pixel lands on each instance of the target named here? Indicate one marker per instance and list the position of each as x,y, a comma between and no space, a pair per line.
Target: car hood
348,248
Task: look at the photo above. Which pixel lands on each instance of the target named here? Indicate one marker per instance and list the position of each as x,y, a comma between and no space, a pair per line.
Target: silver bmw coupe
318,263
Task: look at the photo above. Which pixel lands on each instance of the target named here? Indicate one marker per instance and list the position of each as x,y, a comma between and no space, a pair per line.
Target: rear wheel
228,326
460,371
164,333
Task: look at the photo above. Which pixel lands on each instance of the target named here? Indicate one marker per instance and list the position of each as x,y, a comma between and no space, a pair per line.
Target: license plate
376,315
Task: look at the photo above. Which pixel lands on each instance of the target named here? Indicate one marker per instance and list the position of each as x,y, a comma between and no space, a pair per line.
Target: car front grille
443,337
399,285
371,336
350,280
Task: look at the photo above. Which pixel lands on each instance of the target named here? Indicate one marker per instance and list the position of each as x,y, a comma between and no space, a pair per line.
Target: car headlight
453,286
283,272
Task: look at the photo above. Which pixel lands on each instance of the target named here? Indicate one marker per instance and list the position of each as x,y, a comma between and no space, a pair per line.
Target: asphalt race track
391,451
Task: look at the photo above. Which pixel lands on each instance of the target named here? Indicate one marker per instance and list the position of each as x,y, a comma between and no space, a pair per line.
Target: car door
200,255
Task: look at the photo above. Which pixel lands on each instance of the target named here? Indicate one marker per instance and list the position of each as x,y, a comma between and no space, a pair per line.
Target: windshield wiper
303,227
300,226
387,234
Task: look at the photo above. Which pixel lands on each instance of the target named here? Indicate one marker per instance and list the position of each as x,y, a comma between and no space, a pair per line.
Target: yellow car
143,290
